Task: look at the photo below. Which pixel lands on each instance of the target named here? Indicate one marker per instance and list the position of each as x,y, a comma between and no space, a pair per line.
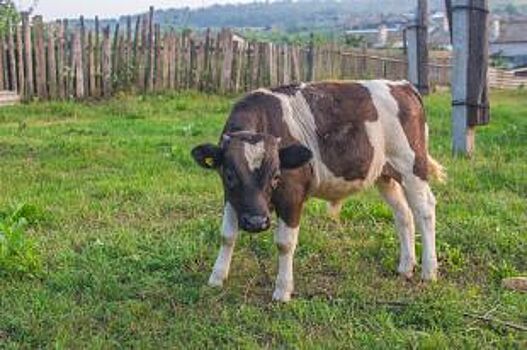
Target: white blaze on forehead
254,154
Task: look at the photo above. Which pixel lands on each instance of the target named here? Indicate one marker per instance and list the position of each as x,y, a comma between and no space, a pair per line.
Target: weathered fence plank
92,91
40,57
52,66
28,54
78,64
20,60
106,60
12,60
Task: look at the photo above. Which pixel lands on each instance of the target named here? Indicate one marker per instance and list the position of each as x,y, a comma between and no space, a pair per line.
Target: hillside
294,15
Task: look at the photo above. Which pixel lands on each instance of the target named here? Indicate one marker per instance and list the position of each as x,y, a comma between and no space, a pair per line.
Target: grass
126,230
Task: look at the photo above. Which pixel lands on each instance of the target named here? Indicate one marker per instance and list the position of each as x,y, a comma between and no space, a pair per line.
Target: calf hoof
406,269
429,272
215,281
281,295
429,276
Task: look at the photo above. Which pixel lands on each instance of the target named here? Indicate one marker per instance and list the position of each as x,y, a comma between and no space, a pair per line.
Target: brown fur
340,111
413,120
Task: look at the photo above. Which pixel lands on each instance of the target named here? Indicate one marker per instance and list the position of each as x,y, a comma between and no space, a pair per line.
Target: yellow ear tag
209,161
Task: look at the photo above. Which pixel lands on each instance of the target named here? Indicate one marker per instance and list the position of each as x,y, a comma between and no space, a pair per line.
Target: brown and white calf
327,140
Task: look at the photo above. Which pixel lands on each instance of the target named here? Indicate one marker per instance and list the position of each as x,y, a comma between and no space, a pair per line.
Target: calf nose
255,223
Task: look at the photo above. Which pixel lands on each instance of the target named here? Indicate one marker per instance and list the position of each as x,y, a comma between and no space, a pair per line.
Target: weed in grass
18,252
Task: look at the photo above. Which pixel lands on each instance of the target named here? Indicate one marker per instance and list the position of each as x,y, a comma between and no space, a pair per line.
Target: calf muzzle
254,223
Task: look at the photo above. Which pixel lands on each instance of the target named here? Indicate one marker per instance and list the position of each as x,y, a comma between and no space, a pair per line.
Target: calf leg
334,209
422,202
393,194
286,239
229,234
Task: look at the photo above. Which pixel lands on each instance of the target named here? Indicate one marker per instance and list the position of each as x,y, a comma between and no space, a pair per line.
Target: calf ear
207,155
294,156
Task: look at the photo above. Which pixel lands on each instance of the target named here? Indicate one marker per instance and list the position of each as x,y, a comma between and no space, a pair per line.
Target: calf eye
230,179
275,181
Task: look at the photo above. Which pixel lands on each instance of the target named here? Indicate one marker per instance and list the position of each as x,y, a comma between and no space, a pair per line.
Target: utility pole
417,51
470,106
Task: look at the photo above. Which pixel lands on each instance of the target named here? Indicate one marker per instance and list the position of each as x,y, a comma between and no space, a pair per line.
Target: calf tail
436,170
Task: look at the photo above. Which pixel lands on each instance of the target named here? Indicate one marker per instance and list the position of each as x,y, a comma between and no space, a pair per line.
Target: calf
327,140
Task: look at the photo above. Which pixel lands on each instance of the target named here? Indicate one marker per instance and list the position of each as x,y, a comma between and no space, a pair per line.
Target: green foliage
18,251
127,229
8,14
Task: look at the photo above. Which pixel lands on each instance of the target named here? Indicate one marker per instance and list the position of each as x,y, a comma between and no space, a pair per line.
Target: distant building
508,42
439,31
380,37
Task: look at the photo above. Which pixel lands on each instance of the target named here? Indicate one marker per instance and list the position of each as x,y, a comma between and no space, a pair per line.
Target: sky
53,9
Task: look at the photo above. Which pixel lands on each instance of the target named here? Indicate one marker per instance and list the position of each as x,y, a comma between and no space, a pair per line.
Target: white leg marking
286,239
393,194
229,234
422,202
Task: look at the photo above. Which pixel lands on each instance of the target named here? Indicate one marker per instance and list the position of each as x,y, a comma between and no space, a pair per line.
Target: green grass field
121,230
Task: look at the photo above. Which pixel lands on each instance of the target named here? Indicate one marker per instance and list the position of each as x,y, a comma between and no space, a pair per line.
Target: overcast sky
53,9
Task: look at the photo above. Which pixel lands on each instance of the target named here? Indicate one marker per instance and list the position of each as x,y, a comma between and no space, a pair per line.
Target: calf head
250,166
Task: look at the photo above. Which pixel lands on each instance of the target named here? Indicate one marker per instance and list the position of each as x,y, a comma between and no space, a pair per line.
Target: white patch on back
254,154
397,149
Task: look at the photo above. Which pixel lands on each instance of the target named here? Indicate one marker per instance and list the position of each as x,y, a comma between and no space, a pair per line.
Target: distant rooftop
514,31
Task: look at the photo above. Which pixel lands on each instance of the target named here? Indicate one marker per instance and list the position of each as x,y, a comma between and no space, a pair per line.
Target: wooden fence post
106,60
60,59
84,55
20,61
417,51
227,61
2,64
40,57
28,54
78,64
158,46
151,51
52,63
5,58
97,59
311,59
91,66
12,60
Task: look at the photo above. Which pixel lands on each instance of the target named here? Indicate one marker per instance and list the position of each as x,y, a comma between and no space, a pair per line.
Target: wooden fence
59,60
501,79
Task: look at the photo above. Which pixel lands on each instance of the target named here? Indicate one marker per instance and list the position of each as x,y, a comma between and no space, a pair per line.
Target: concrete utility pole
470,107
417,51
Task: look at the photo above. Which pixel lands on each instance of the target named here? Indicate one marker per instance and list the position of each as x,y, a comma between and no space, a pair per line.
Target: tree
8,14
